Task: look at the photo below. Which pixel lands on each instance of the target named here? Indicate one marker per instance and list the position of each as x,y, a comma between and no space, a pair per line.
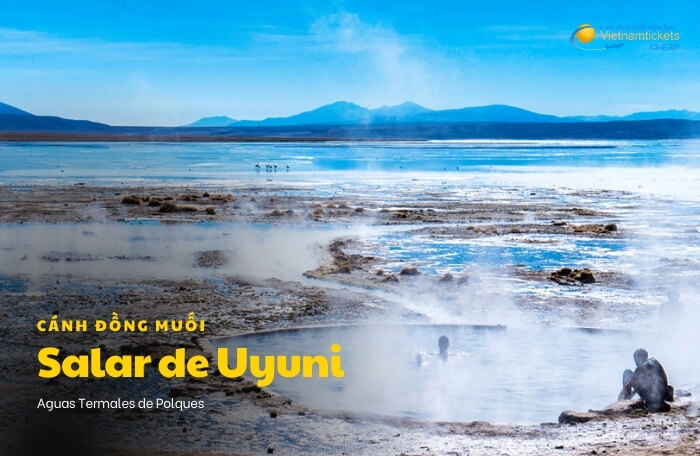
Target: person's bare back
649,381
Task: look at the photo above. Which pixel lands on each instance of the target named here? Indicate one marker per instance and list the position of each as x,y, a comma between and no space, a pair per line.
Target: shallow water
618,164
491,251
502,375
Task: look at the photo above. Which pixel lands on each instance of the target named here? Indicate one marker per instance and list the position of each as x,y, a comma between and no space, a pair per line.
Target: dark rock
410,271
168,206
564,272
390,278
344,268
585,276
448,277
572,417
226,197
132,200
595,229
568,276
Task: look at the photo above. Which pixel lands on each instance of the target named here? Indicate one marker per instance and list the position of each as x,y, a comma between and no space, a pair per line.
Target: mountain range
14,119
345,113
348,121
215,121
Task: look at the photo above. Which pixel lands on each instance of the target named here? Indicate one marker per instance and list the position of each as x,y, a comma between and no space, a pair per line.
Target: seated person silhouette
649,381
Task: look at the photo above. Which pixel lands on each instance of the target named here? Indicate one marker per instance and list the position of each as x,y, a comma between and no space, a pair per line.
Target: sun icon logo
583,36
584,33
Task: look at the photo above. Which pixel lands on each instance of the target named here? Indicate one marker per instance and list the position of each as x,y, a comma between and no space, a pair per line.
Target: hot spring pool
497,374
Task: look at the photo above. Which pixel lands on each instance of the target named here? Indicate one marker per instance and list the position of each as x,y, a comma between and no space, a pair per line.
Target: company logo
584,33
583,37
660,37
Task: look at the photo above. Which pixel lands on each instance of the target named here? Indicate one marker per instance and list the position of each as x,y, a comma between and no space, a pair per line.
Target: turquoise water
456,255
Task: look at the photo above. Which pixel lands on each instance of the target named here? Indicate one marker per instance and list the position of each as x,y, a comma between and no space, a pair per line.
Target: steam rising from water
499,375
150,250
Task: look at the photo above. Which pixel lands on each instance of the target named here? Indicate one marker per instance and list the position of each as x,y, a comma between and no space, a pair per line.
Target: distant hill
14,119
491,113
647,115
399,113
339,113
346,113
216,121
6,109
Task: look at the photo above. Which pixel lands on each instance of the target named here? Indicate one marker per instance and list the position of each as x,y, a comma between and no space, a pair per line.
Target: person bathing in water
443,343
649,381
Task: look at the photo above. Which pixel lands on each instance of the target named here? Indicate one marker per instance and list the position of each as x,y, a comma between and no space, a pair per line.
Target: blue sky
169,63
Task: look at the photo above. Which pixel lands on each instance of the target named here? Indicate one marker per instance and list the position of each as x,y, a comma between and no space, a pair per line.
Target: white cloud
400,67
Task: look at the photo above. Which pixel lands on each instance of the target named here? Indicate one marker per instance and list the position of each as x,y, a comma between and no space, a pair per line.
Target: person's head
443,343
640,356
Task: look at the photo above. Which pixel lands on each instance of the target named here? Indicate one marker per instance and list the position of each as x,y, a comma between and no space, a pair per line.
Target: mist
150,250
